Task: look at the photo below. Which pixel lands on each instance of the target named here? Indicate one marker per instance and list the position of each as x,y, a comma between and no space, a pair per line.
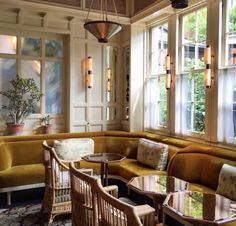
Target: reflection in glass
31,46
7,73
53,71
8,44
54,48
111,68
111,113
32,69
159,48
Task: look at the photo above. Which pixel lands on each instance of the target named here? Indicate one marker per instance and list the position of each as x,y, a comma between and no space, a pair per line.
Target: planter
15,129
46,129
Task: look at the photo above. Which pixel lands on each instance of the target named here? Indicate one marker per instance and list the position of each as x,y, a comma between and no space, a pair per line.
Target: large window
38,58
227,76
157,94
192,72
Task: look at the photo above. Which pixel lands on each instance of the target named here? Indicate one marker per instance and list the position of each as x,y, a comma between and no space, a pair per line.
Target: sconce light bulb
207,54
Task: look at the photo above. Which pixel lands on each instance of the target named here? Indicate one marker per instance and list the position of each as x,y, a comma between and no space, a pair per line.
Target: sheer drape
151,104
180,104
225,105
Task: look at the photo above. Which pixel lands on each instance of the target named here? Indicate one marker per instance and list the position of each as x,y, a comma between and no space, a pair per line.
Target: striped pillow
152,154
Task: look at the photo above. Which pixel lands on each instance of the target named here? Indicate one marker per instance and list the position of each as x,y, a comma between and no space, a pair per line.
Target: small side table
196,208
104,159
158,187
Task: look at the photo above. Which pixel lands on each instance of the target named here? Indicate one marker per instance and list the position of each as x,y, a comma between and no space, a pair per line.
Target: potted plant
46,127
22,97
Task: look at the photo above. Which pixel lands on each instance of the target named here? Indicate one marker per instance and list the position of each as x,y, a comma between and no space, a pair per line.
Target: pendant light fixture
103,29
179,4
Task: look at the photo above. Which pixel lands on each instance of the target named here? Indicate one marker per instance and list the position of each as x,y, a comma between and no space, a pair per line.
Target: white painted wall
85,109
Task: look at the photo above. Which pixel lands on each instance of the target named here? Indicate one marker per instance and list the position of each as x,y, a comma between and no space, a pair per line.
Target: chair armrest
112,190
143,210
146,214
87,171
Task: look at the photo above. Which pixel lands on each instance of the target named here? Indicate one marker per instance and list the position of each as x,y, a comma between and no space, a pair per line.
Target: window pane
8,44
32,69
199,117
232,16
163,114
188,113
200,60
202,24
54,48
189,28
7,73
31,47
159,49
199,87
189,57
53,87
162,87
231,49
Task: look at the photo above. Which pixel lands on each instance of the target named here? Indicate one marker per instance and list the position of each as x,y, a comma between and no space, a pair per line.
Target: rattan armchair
57,196
84,197
113,212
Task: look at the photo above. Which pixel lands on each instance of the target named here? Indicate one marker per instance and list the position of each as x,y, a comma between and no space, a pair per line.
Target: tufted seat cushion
22,175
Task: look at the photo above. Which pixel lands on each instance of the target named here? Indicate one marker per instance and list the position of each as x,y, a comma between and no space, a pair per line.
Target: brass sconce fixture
207,71
168,72
89,77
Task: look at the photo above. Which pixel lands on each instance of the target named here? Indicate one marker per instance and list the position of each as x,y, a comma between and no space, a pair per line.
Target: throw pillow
74,149
152,154
227,182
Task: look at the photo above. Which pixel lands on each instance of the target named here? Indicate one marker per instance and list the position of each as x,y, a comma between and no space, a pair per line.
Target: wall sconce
108,79
207,71
89,78
168,72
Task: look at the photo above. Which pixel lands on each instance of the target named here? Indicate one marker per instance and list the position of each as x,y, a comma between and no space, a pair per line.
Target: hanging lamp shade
102,29
179,4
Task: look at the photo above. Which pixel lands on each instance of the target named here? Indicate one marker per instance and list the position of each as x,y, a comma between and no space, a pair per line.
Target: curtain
180,104
225,105
151,108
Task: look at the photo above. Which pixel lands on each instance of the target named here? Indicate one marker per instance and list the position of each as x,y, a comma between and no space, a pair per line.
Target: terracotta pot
46,129
15,129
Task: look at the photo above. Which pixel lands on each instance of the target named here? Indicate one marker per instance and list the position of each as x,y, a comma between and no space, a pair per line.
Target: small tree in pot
46,127
22,97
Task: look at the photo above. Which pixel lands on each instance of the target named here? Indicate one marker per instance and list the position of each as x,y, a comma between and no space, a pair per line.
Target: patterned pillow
74,149
152,154
227,182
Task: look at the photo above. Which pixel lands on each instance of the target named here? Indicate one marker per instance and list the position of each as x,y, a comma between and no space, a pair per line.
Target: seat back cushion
152,154
74,149
227,182
5,157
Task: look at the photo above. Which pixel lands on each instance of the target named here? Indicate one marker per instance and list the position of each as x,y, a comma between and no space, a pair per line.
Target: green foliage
45,120
232,19
22,97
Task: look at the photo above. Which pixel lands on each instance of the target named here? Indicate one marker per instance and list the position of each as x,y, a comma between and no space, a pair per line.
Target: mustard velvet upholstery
5,157
22,175
201,164
21,158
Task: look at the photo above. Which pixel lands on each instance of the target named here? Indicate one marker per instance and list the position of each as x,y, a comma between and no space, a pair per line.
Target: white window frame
157,76
42,59
182,72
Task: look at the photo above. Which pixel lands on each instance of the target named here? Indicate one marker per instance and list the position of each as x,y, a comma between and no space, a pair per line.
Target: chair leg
50,219
9,198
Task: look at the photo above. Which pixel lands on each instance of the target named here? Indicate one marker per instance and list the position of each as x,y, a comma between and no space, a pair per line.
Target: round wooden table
104,159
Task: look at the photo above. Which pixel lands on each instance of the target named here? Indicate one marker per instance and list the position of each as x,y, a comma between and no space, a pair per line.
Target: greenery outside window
193,97
157,110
